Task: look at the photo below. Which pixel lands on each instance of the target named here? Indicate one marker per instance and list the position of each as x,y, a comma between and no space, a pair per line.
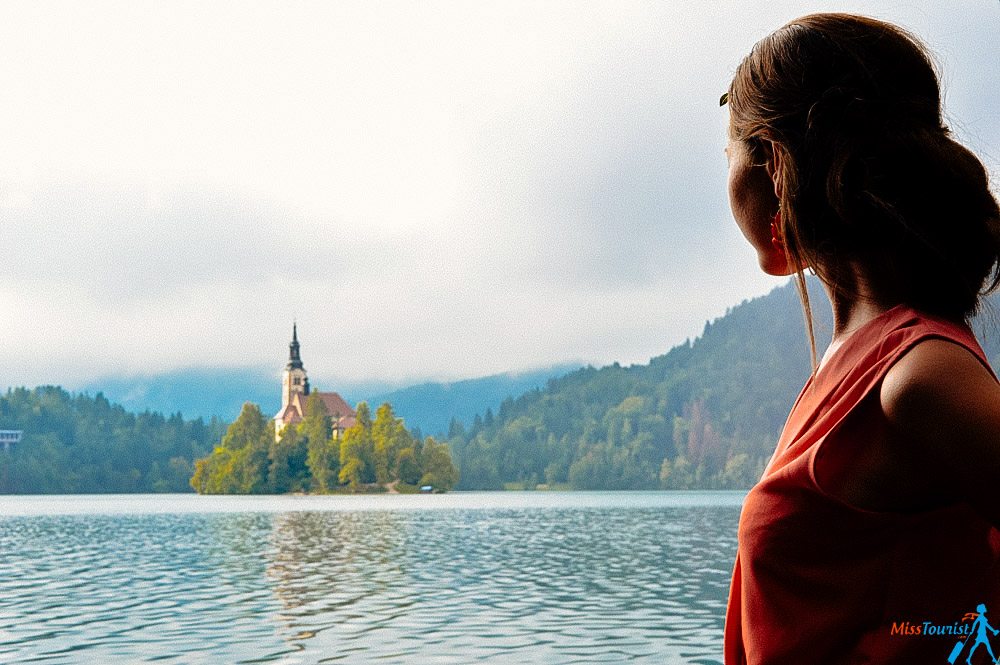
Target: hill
705,414
80,444
431,407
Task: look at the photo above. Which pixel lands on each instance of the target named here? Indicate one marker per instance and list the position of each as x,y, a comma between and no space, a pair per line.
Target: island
318,444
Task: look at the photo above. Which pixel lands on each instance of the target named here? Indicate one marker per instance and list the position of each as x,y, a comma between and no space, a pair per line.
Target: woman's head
843,114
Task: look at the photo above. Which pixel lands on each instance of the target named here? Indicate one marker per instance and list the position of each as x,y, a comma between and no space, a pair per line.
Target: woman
874,529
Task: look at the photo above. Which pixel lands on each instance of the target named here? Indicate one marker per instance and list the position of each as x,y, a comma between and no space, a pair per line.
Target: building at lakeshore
295,392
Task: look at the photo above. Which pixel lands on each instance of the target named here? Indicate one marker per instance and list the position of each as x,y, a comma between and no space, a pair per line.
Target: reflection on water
570,578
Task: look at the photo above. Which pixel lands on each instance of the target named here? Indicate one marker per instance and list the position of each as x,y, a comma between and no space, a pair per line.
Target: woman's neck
849,316
850,313
860,304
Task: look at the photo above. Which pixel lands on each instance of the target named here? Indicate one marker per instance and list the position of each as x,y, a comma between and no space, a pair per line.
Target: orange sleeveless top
819,581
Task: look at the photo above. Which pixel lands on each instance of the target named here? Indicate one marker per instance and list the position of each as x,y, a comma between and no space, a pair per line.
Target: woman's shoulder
944,402
941,365
935,374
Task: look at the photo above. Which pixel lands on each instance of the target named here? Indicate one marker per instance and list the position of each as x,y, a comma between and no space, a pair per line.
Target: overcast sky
433,190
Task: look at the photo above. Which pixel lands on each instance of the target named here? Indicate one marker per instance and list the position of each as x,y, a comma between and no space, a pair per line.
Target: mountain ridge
706,414
221,392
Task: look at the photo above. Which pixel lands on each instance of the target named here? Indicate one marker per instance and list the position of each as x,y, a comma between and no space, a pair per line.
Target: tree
409,466
323,460
239,465
316,424
357,451
247,471
249,429
78,443
287,471
201,480
455,429
389,437
323,452
438,468
738,472
680,475
665,470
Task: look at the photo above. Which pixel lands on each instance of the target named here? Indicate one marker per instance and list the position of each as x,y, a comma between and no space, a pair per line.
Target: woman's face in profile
753,202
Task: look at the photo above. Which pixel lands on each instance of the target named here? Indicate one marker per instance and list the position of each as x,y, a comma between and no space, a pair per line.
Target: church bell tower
293,379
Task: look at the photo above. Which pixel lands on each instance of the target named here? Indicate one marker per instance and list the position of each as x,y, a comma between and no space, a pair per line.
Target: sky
432,190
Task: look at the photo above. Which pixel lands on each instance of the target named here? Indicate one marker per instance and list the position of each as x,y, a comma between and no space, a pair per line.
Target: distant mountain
431,407
194,392
221,392
705,414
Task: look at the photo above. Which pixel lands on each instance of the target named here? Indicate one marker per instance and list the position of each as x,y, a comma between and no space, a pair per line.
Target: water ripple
478,578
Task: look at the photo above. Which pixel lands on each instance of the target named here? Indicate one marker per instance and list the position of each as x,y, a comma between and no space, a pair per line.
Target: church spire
294,359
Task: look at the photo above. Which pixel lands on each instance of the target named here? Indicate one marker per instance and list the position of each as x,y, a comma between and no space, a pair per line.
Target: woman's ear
773,165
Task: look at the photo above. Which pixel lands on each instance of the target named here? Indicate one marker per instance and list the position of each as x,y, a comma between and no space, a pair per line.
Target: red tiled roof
290,414
341,414
335,405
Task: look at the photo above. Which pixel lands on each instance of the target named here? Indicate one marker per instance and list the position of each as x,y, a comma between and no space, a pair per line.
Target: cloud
110,242
434,190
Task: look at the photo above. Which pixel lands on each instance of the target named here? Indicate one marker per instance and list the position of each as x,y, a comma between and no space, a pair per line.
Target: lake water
532,577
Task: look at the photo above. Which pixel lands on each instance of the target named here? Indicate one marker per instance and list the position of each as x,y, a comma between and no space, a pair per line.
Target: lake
504,577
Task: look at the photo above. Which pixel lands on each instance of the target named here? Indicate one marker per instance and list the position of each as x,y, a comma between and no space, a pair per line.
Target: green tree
389,437
316,424
78,443
251,428
437,466
247,471
666,468
202,481
322,451
409,466
738,472
287,470
680,475
323,460
357,451
239,465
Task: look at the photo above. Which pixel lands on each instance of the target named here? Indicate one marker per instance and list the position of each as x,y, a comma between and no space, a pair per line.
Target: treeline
705,415
82,444
370,455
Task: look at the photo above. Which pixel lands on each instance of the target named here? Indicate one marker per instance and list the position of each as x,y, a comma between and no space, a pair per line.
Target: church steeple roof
294,359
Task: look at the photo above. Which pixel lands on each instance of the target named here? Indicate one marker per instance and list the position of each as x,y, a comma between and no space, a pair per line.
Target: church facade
295,392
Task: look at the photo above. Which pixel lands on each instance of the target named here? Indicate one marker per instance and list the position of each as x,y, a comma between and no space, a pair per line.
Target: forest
705,415
372,455
75,444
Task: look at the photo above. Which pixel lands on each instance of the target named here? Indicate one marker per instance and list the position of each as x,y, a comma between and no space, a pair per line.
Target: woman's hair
871,180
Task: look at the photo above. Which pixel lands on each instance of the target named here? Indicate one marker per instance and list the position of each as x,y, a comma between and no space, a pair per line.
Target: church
295,392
